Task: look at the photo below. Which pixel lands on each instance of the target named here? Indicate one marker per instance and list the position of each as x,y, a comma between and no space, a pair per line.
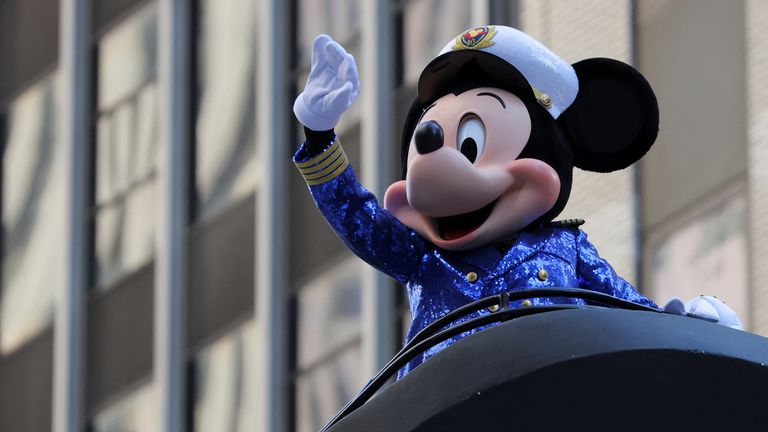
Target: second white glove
713,306
708,307
331,88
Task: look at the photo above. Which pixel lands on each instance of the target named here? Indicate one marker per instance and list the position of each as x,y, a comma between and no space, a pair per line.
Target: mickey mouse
488,150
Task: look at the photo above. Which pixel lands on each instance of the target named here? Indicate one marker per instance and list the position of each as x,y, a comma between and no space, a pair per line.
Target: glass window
322,391
328,326
338,18
341,20
224,394
705,255
32,215
225,160
135,412
329,312
126,146
428,26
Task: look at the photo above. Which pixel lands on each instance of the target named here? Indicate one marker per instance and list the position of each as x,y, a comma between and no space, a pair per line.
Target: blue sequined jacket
438,280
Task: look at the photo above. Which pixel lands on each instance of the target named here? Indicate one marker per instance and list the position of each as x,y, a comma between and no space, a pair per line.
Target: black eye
471,138
468,148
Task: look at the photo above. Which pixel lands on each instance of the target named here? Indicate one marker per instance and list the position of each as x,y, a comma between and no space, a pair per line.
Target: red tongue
458,226
453,234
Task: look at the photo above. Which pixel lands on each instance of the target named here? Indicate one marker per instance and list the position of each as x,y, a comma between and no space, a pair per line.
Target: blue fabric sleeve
370,231
596,274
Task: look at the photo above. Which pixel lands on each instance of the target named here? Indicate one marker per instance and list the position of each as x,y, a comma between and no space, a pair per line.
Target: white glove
707,307
331,88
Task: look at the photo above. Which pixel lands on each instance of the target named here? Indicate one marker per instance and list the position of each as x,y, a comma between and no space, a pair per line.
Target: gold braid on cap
544,99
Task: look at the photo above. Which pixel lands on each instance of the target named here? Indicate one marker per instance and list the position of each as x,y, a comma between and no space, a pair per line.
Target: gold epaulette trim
567,223
325,166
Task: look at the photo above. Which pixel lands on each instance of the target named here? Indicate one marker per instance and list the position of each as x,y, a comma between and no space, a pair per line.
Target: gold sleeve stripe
332,175
319,158
324,164
314,175
324,167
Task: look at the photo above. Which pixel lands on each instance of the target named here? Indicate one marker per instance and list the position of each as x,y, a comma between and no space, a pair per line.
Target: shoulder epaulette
566,223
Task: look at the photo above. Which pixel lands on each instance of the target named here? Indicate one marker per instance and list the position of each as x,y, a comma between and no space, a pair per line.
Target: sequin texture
437,280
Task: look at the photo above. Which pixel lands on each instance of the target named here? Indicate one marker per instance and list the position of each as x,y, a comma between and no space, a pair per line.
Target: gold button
527,303
543,275
493,308
545,100
471,276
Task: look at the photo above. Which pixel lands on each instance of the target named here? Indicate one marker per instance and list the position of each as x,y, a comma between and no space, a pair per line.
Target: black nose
428,137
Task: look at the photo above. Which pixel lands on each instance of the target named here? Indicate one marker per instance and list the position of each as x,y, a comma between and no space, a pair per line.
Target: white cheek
507,141
411,154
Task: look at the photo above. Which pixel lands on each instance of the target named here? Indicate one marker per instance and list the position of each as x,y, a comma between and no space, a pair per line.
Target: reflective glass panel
341,20
225,160
34,195
126,146
338,18
428,26
125,233
224,378
322,391
329,312
127,57
135,412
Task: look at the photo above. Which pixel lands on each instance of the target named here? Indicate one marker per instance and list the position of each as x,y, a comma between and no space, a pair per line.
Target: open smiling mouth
455,227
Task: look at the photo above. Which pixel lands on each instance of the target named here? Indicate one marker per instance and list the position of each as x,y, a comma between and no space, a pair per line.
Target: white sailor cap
551,79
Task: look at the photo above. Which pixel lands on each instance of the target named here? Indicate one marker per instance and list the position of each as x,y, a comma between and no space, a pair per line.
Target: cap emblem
475,38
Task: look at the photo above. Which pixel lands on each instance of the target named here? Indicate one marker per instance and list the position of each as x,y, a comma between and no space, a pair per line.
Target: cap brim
467,67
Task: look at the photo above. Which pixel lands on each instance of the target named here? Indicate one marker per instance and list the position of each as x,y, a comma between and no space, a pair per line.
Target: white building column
172,214
378,134
272,126
69,325
481,12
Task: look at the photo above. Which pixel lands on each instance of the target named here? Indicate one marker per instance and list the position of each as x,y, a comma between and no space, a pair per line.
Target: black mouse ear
411,120
615,117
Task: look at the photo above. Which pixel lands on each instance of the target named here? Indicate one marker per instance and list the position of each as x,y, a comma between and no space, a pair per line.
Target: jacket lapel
486,259
525,246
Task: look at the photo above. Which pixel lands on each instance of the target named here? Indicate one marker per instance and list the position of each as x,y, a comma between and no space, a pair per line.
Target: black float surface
598,369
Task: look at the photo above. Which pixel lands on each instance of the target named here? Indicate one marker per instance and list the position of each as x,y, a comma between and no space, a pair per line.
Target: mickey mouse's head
500,121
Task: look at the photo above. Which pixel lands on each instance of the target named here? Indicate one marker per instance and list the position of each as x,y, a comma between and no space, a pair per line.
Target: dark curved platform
590,369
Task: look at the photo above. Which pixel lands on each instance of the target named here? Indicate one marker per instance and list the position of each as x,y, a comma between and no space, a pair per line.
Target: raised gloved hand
331,87
708,307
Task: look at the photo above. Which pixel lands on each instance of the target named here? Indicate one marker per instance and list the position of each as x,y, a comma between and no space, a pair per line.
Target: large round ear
411,120
615,117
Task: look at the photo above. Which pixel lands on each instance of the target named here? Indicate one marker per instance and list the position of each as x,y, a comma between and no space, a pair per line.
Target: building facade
164,267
